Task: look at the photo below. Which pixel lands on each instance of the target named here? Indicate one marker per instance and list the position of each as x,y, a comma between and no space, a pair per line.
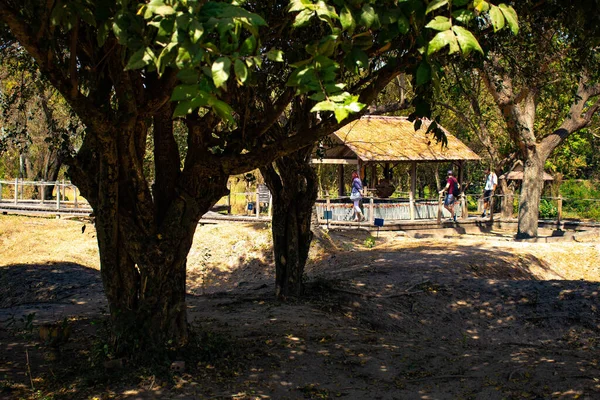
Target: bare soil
460,318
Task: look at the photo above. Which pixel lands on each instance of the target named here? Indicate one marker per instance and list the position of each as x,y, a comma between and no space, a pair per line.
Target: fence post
75,195
42,192
257,203
0,190
57,195
270,205
371,210
16,190
64,188
465,206
439,213
492,208
559,213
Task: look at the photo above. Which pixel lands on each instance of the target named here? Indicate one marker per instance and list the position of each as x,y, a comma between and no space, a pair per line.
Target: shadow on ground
435,321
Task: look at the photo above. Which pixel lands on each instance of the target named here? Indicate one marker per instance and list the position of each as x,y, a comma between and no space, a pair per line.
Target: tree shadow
431,321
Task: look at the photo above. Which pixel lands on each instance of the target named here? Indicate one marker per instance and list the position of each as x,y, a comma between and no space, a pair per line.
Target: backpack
456,189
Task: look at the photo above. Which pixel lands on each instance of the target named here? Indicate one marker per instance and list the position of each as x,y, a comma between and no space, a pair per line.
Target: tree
232,71
37,124
558,80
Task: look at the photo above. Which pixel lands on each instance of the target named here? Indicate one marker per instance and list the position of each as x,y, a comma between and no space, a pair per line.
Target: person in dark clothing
451,184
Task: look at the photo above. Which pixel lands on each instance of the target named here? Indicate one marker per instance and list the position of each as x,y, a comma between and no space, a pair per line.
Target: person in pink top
451,187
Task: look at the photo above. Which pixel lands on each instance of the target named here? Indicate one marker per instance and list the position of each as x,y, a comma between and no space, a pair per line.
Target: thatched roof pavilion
391,139
388,141
516,173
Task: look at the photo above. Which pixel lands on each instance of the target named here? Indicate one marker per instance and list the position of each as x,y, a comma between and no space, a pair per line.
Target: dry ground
406,319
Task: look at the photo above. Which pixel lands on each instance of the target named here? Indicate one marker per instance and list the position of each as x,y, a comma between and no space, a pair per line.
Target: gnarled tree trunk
529,201
293,184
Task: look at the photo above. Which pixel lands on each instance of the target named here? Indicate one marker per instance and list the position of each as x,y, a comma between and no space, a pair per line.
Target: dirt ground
460,318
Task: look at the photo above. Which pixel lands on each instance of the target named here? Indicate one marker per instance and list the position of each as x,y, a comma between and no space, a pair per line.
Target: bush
547,210
578,195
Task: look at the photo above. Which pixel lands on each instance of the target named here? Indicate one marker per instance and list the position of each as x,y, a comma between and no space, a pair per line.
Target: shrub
578,195
547,210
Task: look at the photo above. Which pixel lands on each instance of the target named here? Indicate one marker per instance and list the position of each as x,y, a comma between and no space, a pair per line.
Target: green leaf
196,31
347,20
140,59
423,73
511,17
341,113
186,107
463,16
326,105
298,5
466,40
241,71
184,92
403,24
435,4
184,57
164,10
248,46
481,5
275,55
442,39
368,16
188,75
222,109
220,71
303,17
439,23
497,18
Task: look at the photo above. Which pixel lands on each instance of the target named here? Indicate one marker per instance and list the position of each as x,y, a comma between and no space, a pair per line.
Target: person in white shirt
491,181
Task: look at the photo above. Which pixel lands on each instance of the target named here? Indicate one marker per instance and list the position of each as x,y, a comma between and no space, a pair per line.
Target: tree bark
529,202
293,184
507,199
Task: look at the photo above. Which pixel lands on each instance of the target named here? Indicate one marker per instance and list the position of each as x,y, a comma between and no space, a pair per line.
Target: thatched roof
516,174
393,139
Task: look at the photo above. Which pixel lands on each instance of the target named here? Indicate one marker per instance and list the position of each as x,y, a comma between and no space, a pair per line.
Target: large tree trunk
293,184
529,202
144,238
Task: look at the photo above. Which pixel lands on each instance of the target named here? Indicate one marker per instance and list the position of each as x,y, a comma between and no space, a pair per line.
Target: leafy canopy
213,44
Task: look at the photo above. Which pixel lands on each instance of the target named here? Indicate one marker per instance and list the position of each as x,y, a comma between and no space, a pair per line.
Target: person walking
355,196
452,187
491,182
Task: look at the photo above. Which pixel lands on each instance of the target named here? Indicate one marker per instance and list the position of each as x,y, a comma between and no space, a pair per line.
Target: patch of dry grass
27,240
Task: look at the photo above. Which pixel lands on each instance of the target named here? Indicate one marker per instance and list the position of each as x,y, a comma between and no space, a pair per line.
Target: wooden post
462,199
257,203
64,188
270,205
229,201
373,175
0,190
371,210
75,195
413,188
492,208
42,193
57,195
559,214
439,213
341,190
16,190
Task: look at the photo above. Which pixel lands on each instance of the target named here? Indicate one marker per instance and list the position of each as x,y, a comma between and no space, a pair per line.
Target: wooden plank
342,161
